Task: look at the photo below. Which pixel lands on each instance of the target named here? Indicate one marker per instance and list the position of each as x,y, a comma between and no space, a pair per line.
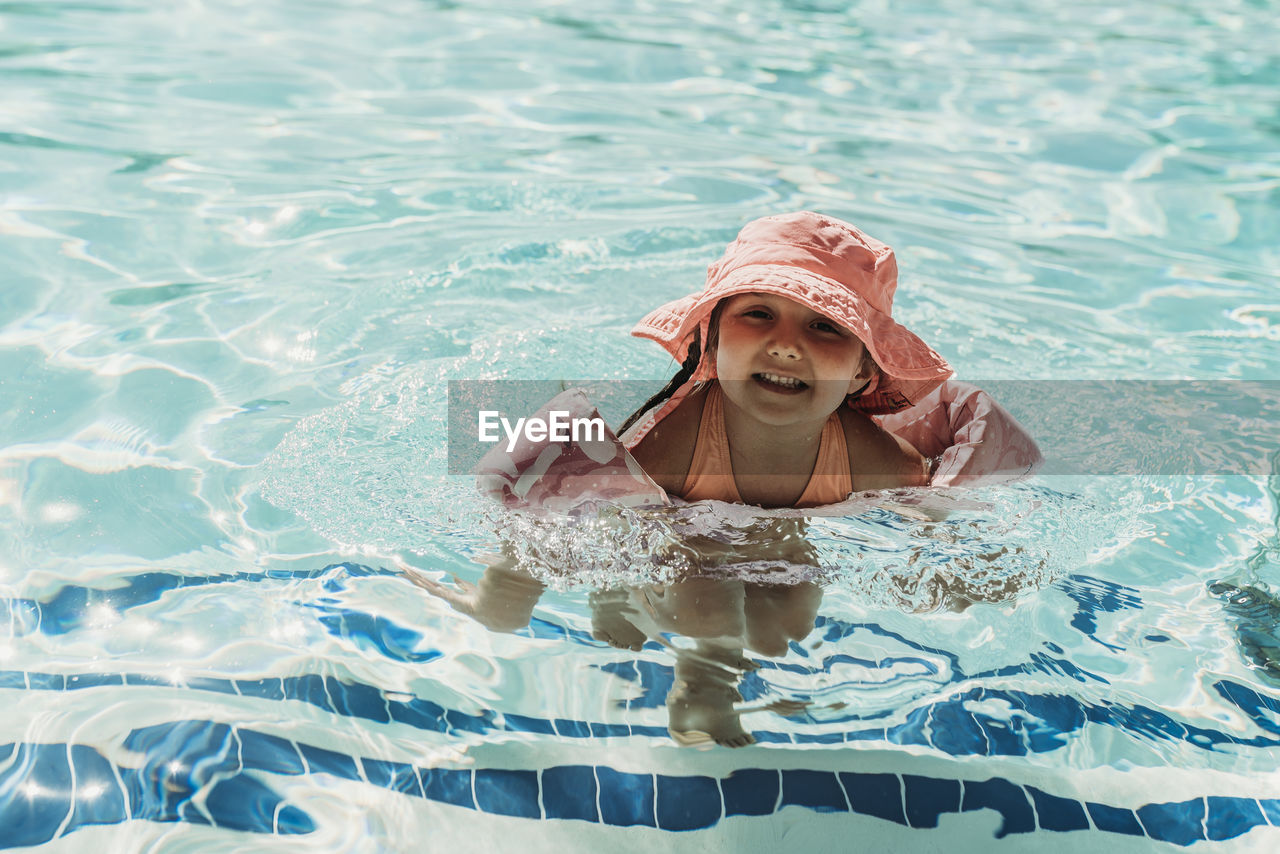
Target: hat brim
910,368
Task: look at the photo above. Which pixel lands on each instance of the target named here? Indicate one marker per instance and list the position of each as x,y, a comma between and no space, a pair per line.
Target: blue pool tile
46,681
752,687
420,714
1232,817
656,681
818,790
954,730
323,761
819,738
392,640
180,758
292,821
572,729
508,792
569,791
866,735
1180,823
523,723
482,723
448,785
35,794
13,679
765,737
878,795
599,730
6,750
1057,813
309,688
269,753
687,803
930,797
1271,809
93,680
1004,738
208,683
267,689
210,745
913,730
397,776
625,670
1058,716
1252,704
244,803
1114,819
540,628
159,796
751,791
1005,798
98,796
146,679
357,700
625,799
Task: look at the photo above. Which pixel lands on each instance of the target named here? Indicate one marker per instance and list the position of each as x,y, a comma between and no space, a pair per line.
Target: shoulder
667,451
877,458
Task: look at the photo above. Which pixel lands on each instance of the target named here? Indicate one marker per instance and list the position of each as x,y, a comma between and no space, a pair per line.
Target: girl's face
782,362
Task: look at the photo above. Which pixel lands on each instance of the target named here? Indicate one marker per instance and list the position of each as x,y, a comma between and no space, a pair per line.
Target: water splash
370,474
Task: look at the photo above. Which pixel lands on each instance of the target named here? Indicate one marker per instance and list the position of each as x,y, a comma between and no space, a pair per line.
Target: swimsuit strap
831,481
711,470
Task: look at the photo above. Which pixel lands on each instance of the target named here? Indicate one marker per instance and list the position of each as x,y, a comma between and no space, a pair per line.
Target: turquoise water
246,245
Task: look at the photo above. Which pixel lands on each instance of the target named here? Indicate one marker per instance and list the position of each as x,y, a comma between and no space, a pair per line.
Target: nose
783,346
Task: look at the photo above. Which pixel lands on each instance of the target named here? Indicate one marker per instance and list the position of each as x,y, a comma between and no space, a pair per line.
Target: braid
691,361
682,376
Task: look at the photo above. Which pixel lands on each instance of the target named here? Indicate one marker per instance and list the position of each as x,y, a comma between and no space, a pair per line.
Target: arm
877,458
503,601
970,438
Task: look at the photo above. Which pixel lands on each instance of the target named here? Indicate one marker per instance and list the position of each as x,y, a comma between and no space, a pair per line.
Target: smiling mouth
777,382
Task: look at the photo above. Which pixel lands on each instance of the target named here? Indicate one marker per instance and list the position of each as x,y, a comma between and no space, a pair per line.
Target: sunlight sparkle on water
103,615
90,792
60,511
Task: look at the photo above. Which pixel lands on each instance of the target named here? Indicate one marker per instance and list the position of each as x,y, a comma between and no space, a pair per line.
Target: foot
609,621
703,714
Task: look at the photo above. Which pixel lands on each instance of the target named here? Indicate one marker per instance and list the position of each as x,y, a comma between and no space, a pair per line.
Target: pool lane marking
595,773
848,802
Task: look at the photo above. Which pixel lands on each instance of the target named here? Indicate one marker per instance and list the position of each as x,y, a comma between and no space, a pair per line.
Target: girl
786,352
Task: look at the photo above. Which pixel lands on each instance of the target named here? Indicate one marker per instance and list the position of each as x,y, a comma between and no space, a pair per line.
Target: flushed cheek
835,370
835,364
731,360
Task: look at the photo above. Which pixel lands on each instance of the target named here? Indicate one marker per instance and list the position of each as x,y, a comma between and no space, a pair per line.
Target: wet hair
682,376
690,364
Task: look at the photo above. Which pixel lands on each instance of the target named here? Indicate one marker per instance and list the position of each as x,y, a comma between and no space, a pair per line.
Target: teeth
788,382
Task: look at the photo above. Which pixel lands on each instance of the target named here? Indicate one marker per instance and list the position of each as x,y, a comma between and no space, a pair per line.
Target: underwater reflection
709,619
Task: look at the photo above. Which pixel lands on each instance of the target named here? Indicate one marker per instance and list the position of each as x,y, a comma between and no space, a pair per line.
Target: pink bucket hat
829,266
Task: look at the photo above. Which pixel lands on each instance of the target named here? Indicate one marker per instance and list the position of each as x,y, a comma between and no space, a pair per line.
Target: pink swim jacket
969,438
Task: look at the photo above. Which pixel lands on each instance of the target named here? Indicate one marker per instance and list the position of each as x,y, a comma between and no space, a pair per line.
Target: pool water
247,245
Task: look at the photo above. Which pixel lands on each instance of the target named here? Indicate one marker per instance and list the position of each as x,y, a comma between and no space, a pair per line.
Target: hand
503,601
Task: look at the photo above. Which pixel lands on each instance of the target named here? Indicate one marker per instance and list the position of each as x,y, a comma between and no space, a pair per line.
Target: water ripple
246,245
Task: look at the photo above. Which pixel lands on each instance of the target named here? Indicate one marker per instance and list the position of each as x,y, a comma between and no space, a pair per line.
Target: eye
758,313
826,326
